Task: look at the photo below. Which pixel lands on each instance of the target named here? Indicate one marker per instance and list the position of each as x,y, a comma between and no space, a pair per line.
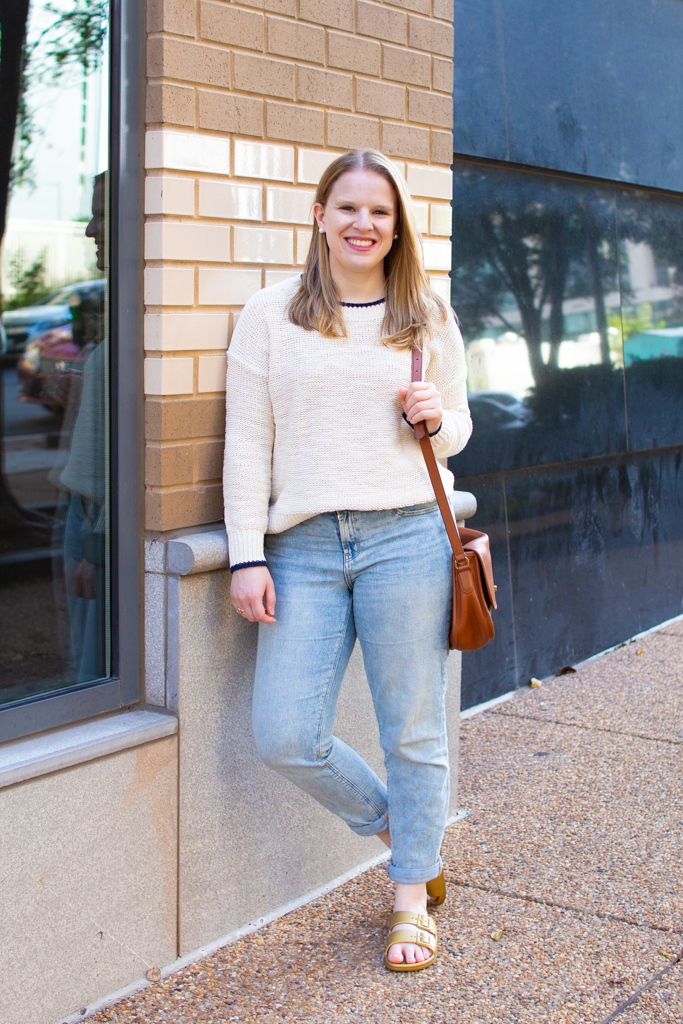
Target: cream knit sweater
315,424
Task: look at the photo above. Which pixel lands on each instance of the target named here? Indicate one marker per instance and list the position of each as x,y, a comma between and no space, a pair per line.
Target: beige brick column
246,105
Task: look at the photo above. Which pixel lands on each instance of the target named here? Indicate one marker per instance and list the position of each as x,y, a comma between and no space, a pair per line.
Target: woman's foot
414,899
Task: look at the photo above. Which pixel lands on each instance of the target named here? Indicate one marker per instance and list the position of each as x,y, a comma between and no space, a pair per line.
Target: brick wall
247,103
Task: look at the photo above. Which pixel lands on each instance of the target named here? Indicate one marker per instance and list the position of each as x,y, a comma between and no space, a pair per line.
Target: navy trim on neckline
360,305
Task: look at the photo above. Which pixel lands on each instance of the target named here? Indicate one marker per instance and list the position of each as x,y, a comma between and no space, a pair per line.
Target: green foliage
28,281
74,41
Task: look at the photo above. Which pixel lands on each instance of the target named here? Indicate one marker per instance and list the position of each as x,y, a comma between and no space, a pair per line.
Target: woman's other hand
252,593
421,401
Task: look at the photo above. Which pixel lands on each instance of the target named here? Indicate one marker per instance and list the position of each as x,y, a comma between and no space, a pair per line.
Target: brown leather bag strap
422,434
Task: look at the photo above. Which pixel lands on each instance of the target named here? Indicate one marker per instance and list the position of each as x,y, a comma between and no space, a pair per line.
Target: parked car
497,410
3,340
21,325
49,367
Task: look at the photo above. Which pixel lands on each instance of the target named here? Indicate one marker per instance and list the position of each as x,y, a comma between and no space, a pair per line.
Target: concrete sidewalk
566,880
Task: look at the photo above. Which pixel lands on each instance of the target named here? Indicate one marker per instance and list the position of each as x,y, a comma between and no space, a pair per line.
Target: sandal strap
418,938
423,921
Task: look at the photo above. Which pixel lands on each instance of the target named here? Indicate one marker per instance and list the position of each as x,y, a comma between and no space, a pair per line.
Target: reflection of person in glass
84,477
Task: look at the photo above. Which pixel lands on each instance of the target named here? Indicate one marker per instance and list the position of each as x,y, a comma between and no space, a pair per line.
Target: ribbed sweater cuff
245,546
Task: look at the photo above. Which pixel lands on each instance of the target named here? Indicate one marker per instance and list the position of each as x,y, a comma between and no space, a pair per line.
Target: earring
321,231
396,235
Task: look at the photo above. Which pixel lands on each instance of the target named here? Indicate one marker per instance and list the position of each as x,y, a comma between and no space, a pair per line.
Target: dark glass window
54,486
570,298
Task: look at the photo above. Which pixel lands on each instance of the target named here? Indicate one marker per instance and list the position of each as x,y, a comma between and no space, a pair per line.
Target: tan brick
230,25
178,419
347,132
333,13
326,87
405,66
292,39
172,510
442,147
176,16
442,75
419,6
208,460
353,54
168,464
428,108
380,98
285,7
404,140
444,9
263,75
295,123
380,22
169,104
222,112
430,35
190,62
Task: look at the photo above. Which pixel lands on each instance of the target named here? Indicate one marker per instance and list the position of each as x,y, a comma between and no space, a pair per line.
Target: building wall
88,869
246,105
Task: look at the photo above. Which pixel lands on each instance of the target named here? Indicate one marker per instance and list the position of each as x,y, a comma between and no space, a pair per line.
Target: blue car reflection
21,325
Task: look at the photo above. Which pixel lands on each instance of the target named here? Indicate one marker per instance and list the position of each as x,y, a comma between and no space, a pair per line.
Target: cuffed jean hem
413,876
371,830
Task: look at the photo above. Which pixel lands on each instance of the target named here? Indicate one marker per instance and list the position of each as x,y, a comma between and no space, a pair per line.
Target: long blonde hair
410,301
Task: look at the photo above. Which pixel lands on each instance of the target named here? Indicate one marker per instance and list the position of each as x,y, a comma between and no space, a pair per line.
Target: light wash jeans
385,578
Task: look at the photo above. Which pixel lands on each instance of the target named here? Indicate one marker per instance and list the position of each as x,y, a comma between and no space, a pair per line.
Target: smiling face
359,221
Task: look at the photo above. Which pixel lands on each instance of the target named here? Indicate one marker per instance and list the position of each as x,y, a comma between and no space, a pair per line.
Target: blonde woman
333,529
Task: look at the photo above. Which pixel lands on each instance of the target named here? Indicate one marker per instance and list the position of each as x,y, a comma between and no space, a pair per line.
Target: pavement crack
631,999
588,728
511,894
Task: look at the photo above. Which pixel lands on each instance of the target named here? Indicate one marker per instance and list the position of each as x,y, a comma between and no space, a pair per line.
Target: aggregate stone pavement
571,856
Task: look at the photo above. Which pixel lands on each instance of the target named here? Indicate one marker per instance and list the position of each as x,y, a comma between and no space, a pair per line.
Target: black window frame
126,163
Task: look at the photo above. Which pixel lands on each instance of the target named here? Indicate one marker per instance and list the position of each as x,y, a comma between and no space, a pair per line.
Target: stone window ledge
207,550
70,745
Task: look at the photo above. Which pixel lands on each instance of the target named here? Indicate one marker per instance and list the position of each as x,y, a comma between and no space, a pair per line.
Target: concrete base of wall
88,881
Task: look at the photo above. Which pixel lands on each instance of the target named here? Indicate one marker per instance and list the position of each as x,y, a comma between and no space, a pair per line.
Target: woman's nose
363,220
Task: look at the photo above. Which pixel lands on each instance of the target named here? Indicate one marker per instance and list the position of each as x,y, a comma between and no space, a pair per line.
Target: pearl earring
396,236
321,231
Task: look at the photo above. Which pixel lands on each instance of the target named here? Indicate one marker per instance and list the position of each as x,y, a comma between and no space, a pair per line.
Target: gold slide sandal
425,935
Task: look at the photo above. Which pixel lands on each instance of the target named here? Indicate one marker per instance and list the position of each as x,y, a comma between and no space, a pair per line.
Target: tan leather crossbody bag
474,593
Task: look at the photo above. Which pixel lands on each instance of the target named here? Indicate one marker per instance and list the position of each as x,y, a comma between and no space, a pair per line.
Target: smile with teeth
361,243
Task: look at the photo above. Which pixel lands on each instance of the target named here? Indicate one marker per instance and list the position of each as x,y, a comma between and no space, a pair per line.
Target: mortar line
588,728
632,999
614,918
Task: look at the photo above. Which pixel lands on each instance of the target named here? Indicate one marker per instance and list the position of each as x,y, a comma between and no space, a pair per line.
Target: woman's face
359,221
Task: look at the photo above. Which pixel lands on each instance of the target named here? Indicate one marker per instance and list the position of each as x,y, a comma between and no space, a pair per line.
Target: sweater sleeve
249,435
447,369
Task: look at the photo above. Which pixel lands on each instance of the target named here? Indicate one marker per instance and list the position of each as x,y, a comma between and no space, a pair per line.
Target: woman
321,464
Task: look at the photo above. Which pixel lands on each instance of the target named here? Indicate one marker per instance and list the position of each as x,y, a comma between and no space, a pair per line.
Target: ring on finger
240,611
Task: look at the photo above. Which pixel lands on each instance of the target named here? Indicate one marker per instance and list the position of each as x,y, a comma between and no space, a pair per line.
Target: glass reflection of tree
518,244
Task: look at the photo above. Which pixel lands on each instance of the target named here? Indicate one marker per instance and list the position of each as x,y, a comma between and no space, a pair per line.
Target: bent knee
283,753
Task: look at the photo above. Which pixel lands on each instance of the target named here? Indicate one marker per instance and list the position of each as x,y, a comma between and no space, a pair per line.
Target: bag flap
473,540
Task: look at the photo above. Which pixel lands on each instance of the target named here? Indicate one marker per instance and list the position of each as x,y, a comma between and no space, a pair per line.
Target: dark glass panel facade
651,275
570,298
586,88
54,415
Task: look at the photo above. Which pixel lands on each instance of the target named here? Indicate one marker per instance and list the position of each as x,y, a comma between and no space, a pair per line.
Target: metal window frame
122,688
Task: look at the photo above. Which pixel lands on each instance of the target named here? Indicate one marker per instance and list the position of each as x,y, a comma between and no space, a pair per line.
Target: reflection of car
497,410
29,321
655,343
47,367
